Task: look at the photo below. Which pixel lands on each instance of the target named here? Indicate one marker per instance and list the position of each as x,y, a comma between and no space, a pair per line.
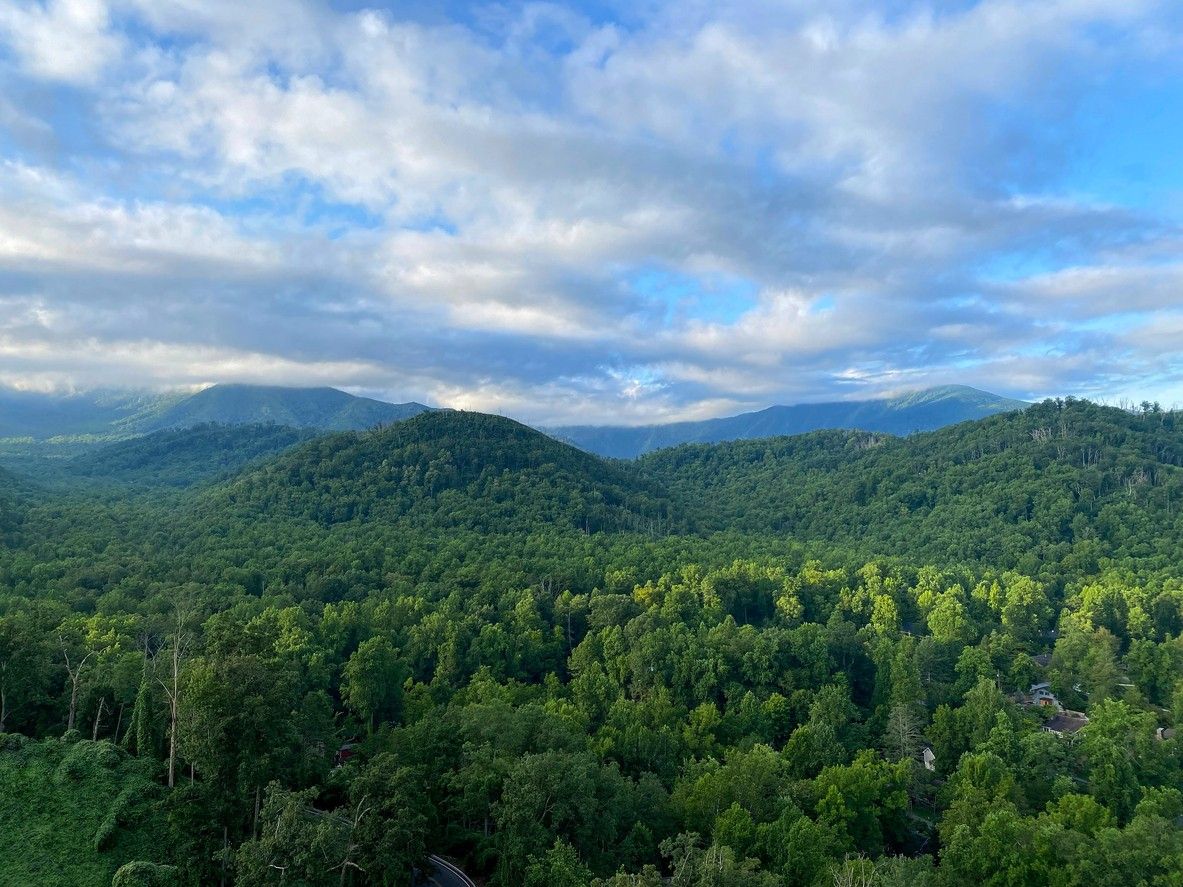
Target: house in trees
929,759
1041,694
1066,724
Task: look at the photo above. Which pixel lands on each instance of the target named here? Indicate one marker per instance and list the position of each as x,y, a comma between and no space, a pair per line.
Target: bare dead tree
179,644
348,863
74,670
98,720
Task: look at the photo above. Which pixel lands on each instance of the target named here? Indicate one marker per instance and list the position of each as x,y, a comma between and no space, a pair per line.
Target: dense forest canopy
1049,489
450,468
178,458
841,658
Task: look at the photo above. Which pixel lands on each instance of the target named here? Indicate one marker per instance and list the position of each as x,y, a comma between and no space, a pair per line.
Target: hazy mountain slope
449,469
41,415
114,415
182,457
1068,481
918,411
324,408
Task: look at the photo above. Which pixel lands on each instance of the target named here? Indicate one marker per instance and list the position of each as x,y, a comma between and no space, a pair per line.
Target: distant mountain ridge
119,415
325,409
180,457
924,410
79,420
40,415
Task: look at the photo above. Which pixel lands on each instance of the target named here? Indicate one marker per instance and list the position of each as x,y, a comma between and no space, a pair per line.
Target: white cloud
463,208
68,40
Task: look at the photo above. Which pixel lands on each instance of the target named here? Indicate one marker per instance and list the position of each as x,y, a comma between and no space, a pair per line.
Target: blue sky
608,211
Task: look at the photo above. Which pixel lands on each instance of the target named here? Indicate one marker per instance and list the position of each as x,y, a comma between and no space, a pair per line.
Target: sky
623,212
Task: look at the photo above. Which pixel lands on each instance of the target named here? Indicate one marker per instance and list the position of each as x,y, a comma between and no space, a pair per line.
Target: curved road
446,874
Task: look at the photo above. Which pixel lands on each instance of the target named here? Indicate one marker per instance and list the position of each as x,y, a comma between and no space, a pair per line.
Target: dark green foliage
450,469
146,874
1056,487
11,506
296,843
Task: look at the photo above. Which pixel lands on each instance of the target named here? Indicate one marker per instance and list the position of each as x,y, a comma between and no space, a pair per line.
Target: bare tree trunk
75,673
180,644
98,719
119,721
3,707
73,704
347,863
172,718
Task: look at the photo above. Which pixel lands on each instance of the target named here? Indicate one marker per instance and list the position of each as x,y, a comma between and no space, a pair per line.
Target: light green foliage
373,682
559,867
146,874
713,866
1026,610
298,844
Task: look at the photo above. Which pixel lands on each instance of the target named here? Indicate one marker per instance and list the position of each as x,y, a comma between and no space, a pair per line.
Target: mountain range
923,410
1061,482
112,415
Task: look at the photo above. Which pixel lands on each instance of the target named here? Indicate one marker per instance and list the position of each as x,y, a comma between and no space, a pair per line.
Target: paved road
446,874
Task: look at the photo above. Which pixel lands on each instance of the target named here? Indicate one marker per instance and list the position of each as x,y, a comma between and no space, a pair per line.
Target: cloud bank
593,213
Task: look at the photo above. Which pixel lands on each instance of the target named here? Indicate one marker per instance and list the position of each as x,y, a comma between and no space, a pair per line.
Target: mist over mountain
326,409
122,414
916,411
116,415
42,415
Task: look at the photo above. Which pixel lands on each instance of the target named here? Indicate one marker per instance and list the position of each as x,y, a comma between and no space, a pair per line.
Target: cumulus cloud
528,208
67,40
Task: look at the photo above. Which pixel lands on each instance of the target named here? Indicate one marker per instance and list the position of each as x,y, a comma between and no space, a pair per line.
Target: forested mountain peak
450,467
903,414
